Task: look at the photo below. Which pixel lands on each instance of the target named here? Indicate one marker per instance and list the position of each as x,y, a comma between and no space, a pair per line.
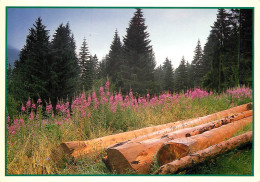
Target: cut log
139,156
76,149
205,154
181,147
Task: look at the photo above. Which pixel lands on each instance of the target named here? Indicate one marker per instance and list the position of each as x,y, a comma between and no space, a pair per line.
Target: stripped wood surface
205,154
75,149
183,146
139,156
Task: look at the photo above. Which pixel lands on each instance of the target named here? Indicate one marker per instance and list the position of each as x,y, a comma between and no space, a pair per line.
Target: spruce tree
226,49
168,82
220,37
181,76
196,66
158,77
115,61
102,68
190,78
139,62
95,65
246,46
84,57
65,69
31,72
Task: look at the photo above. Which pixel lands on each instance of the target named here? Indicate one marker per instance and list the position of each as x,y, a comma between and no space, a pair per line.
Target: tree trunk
75,149
138,156
181,147
206,154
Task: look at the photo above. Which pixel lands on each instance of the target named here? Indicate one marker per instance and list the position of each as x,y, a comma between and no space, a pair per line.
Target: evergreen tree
115,61
65,69
102,68
139,62
181,78
190,78
31,72
158,77
196,72
220,36
95,66
225,50
168,82
246,46
84,57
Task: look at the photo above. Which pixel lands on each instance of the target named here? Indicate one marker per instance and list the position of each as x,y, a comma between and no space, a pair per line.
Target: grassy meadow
31,136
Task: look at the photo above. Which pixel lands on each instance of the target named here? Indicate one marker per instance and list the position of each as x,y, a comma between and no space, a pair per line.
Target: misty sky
173,32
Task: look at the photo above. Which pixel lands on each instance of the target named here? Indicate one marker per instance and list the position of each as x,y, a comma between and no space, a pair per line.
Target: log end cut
171,151
117,162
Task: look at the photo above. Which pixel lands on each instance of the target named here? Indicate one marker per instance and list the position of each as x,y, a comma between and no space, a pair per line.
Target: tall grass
32,136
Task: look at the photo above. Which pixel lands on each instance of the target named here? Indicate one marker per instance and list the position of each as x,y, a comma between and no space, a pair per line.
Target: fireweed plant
35,132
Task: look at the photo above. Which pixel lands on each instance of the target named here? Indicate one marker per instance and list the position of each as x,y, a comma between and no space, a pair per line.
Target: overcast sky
173,32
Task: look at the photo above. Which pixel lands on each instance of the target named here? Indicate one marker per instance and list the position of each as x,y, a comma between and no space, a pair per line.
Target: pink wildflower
107,85
21,121
89,99
83,113
59,123
28,104
49,108
8,120
131,94
31,116
39,101
23,108
101,91
33,106
83,96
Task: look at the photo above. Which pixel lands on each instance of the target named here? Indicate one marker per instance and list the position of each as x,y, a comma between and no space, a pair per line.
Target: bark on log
181,147
139,156
206,154
76,149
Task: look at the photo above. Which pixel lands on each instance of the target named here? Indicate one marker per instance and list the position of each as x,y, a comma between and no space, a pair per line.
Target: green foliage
181,76
115,61
64,65
168,79
138,56
196,71
30,72
229,50
13,106
235,162
86,70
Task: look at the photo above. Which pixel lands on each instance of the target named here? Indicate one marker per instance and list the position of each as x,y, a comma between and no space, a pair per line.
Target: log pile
139,156
205,154
177,141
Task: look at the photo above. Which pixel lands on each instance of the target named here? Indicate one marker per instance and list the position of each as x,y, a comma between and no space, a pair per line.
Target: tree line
51,69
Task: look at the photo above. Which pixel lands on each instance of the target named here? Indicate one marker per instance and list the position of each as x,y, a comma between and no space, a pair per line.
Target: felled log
76,149
181,147
139,156
205,154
